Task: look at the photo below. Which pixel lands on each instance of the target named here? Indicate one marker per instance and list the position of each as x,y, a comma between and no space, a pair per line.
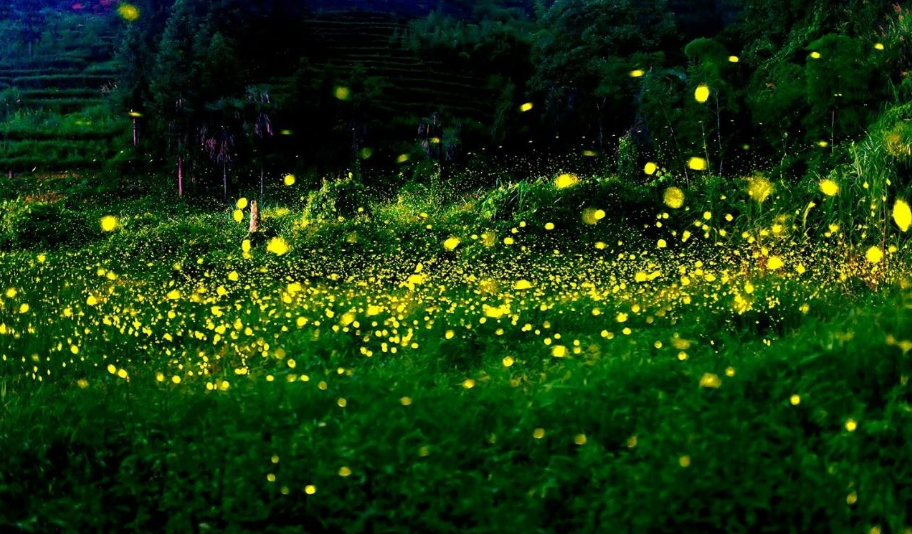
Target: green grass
54,153
698,390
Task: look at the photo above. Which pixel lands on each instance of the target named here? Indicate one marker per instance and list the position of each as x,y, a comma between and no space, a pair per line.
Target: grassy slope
686,422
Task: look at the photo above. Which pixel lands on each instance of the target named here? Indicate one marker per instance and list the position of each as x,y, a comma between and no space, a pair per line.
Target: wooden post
254,217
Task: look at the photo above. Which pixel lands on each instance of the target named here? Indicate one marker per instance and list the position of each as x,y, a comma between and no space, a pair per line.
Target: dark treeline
230,91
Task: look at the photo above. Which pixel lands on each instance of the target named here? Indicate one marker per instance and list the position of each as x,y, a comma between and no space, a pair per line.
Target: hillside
411,84
56,115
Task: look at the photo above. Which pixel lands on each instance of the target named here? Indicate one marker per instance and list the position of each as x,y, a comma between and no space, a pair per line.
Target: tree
172,85
585,51
258,125
839,89
219,143
31,16
709,66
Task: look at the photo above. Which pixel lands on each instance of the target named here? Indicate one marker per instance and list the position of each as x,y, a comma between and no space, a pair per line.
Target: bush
339,198
26,225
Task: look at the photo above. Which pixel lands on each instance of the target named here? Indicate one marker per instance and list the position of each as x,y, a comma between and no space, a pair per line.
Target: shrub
26,225
338,198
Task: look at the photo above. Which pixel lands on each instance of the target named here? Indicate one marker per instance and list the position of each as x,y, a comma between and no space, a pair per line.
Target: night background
455,266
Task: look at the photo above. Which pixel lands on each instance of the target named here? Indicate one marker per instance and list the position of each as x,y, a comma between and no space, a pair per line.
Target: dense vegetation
475,266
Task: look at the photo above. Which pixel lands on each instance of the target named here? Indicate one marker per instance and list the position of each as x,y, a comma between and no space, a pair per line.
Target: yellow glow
128,12
696,164
109,223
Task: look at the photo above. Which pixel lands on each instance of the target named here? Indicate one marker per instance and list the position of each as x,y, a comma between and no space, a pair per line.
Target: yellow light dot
344,471
701,93
128,12
468,383
566,180
902,215
829,187
874,255
342,403
684,461
508,361
795,400
310,489
710,380
406,401
673,197
538,433
526,107
580,439
851,425
289,180
522,285
696,164
277,246
176,379
108,223
451,243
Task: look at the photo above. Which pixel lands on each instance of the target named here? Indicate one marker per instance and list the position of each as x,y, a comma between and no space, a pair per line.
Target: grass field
726,358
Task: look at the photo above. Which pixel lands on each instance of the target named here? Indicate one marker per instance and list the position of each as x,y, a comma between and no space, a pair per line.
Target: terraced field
415,85
57,118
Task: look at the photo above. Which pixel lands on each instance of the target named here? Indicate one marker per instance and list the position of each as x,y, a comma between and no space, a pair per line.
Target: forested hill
329,86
